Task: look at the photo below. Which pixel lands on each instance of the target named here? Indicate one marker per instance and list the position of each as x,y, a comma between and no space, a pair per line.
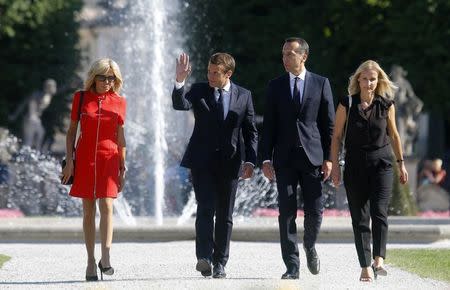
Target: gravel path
171,266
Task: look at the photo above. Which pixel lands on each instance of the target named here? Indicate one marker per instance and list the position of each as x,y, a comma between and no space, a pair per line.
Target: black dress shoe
291,273
312,260
219,271
204,267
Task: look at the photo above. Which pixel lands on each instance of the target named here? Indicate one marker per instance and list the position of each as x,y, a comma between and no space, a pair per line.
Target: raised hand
183,68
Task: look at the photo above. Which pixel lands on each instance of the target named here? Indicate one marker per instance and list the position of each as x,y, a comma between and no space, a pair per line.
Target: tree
38,41
341,35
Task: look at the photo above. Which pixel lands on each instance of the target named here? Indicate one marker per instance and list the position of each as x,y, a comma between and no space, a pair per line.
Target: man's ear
229,73
305,57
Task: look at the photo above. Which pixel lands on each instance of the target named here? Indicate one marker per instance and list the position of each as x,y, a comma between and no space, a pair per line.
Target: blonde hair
385,87
100,67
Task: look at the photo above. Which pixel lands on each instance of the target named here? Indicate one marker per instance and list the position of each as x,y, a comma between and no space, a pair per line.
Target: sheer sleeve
344,101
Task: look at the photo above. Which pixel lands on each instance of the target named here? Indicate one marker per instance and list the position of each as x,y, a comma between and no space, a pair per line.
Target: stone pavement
170,265
48,253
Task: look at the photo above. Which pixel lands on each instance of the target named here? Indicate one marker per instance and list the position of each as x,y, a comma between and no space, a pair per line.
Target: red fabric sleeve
75,105
122,111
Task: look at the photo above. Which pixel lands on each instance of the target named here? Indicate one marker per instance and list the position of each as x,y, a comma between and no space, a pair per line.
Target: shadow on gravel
122,280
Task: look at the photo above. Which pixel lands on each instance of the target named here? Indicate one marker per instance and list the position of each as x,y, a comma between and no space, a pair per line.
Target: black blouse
367,129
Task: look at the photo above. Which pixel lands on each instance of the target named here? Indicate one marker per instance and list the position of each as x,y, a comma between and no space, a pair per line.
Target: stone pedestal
432,197
411,166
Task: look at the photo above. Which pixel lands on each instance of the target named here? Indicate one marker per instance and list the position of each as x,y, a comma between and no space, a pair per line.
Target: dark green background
341,35
38,40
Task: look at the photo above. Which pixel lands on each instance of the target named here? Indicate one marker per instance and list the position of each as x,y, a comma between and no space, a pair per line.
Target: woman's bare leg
106,228
89,234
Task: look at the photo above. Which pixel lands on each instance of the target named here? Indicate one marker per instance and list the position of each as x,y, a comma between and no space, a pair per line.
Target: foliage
402,200
38,41
341,35
3,259
427,263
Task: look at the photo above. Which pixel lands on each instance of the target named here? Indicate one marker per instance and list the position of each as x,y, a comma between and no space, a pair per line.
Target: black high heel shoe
379,271
106,271
93,277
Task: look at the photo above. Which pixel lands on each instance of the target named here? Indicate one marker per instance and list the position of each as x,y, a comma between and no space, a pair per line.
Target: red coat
96,154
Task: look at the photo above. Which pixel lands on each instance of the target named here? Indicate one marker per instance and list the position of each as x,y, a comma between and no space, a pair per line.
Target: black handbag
63,162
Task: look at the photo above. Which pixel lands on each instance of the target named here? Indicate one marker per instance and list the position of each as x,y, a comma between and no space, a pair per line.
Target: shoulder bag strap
80,104
346,120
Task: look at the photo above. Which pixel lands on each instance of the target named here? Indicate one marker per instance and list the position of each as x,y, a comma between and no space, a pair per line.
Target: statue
409,107
33,130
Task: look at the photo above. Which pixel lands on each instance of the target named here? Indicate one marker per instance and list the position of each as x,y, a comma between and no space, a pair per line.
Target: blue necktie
296,95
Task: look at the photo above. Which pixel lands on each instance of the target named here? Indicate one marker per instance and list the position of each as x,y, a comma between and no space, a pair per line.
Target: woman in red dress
99,170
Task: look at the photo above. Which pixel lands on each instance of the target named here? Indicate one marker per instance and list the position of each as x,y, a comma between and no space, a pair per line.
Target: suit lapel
287,87
306,89
286,93
234,95
210,99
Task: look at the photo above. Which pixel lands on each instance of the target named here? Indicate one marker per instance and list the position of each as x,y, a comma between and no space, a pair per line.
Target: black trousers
368,178
215,192
308,176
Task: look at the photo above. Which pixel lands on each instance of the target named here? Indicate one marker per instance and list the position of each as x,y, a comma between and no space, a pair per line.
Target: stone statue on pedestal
33,130
408,106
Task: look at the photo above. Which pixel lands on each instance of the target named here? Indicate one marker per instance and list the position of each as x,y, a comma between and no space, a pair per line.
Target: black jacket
209,136
284,128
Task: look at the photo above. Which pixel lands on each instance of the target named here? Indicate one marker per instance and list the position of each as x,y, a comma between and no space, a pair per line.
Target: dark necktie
220,106
296,95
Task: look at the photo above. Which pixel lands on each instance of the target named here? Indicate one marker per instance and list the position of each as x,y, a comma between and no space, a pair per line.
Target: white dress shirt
226,95
300,84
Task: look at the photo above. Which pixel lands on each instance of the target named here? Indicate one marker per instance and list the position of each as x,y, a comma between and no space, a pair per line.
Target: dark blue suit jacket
208,136
283,126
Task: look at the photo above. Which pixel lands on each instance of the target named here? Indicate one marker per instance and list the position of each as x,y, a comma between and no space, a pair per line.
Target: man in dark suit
297,130
224,116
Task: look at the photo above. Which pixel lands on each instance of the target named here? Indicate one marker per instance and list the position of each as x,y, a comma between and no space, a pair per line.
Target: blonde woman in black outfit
368,175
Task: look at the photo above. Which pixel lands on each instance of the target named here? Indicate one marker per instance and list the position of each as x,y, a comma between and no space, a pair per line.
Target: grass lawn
3,259
434,264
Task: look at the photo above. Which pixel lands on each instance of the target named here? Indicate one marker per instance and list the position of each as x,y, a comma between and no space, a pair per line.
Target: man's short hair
224,59
304,47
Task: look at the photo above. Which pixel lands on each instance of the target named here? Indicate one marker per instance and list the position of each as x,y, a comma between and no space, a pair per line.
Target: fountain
144,38
145,46
33,184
